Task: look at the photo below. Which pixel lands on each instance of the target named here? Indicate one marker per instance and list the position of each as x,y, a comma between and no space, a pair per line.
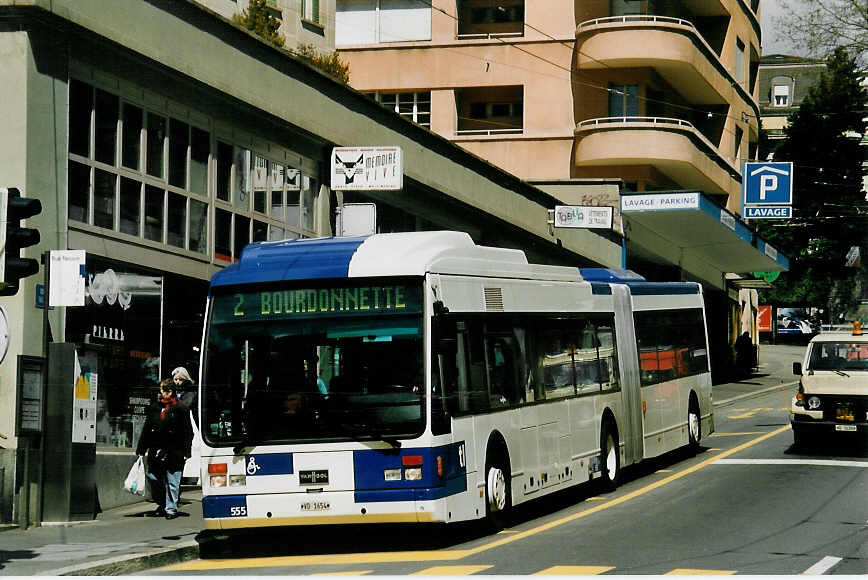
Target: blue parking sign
768,183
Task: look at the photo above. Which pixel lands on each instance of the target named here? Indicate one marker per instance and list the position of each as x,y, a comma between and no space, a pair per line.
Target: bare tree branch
818,26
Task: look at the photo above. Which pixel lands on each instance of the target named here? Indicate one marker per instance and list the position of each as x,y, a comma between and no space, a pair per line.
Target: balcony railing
650,19
488,132
636,18
488,35
646,120
663,123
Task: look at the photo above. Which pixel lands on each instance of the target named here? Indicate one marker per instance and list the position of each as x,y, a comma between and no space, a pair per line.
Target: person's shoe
171,516
157,513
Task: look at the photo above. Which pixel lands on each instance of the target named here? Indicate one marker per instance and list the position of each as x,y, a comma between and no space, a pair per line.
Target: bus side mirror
797,368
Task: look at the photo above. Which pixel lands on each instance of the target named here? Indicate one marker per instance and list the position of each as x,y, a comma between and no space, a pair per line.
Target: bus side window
475,397
608,357
501,359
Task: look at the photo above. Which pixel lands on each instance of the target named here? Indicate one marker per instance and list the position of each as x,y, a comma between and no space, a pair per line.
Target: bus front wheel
610,458
497,493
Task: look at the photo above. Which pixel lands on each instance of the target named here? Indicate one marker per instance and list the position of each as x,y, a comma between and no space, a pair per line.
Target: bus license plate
845,427
315,506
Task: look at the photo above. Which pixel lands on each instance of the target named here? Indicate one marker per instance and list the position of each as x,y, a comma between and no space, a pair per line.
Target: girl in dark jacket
166,438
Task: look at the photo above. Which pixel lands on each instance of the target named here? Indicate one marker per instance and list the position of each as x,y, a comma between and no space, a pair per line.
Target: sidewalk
123,541
120,541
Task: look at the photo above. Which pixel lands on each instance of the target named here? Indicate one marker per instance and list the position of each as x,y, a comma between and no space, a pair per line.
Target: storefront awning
677,224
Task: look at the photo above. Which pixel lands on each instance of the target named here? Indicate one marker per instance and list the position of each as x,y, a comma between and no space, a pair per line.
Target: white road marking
822,566
833,462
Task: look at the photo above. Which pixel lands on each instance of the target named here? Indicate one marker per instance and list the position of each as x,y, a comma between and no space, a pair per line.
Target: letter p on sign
767,183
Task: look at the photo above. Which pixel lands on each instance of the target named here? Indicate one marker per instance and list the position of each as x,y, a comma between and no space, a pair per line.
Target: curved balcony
672,146
671,46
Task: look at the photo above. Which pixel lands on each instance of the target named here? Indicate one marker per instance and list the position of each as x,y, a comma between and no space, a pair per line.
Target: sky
769,11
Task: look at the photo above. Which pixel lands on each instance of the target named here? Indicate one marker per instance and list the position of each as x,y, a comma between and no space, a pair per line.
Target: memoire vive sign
279,304
367,168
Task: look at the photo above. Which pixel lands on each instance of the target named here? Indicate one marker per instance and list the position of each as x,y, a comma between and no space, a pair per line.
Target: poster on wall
84,404
764,318
798,321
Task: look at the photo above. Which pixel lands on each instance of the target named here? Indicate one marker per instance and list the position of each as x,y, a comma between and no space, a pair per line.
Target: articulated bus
418,377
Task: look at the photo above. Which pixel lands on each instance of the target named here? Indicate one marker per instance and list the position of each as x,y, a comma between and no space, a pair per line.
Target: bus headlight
813,403
237,480
218,481
392,474
413,473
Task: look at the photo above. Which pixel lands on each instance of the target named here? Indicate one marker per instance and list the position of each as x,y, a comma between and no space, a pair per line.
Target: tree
259,20
829,207
330,63
819,26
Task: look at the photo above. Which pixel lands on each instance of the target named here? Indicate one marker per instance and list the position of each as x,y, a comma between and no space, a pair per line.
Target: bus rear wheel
610,458
694,427
498,498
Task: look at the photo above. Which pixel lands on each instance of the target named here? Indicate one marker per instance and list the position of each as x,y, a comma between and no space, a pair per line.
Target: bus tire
498,493
694,426
610,456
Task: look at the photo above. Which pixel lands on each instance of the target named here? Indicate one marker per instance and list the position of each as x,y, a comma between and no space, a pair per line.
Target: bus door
631,397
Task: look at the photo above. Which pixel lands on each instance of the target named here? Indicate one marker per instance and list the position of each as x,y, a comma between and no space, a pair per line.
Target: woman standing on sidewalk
166,438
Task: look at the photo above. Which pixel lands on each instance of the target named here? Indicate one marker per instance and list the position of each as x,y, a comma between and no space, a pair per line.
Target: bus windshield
313,364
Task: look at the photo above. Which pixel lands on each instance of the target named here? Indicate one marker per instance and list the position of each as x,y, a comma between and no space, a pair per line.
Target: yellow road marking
573,571
750,413
453,555
697,572
663,471
348,573
716,434
450,571
596,498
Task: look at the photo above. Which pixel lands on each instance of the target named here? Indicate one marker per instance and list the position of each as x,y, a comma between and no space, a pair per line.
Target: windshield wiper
359,432
842,373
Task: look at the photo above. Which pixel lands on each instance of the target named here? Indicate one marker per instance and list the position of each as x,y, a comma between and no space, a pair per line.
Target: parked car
832,396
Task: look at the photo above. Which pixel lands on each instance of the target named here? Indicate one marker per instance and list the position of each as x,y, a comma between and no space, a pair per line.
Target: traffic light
13,209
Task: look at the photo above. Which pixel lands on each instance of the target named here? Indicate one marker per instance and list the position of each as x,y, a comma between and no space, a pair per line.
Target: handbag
135,481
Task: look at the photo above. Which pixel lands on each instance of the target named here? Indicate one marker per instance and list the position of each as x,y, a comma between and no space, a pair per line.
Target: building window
739,60
380,21
145,174
623,100
781,96
739,135
310,10
490,110
490,17
413,106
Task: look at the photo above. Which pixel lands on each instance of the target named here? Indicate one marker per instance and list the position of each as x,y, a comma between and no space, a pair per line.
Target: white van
833,388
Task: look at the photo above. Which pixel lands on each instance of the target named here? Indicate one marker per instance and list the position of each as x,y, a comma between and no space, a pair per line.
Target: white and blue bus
418,377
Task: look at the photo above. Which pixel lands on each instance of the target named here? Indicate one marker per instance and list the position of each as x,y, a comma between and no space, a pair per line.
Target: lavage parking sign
768,190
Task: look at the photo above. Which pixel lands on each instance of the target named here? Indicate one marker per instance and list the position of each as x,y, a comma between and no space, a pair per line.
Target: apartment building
657,95
784,81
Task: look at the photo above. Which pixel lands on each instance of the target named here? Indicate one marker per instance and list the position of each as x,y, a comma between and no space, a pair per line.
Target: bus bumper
228,512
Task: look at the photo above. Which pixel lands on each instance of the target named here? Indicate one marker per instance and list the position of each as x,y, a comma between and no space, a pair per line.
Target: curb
131,563
751,394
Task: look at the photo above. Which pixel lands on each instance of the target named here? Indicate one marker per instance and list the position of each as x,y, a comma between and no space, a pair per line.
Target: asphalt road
748,503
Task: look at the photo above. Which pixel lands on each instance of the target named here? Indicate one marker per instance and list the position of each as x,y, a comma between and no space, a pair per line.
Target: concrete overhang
686,228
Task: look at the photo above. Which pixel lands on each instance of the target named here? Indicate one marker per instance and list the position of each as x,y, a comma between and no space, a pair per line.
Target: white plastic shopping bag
135,481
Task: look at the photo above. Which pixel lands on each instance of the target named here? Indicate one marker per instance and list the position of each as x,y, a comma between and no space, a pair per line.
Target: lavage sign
659,201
